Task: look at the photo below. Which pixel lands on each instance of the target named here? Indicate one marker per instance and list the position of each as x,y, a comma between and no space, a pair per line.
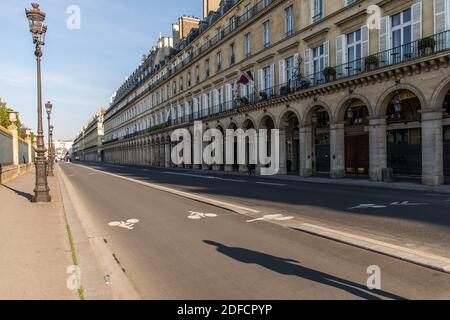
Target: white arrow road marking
129,224
368,206
199,215
407,203
272,217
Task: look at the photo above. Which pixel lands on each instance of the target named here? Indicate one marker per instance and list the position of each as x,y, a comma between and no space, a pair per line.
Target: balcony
401,54
408,52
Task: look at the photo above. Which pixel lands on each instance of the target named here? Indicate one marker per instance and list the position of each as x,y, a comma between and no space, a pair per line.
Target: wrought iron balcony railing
411,51
408,52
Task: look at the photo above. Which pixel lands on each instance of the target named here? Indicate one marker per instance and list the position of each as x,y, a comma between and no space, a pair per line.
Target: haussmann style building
355,87
87,146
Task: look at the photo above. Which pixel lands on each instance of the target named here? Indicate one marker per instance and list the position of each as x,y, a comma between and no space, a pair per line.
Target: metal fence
6,149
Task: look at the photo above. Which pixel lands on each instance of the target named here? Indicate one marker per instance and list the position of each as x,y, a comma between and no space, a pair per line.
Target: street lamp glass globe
36,22
48,107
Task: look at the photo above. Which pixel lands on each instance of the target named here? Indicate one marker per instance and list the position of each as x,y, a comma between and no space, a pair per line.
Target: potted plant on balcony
243,101
284,90
426,46
263,95
372,62
329,74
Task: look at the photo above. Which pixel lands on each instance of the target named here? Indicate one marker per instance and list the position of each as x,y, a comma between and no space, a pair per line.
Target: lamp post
52,150
37,28
48,108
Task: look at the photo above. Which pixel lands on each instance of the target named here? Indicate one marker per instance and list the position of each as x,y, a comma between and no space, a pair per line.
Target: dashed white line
189,175
203,177
272,184
233,180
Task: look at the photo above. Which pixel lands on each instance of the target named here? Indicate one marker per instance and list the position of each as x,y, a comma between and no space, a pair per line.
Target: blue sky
81,68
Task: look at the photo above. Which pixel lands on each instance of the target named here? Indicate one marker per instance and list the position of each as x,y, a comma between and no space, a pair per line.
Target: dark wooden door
357,154
323,158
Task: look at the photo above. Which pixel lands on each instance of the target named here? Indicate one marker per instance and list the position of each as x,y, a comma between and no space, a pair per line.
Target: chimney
210,5
182,27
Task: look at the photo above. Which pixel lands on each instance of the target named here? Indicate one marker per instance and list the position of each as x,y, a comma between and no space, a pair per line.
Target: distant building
62,148
88,144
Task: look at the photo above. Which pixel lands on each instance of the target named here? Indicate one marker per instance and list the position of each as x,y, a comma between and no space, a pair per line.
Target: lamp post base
41,191
41,197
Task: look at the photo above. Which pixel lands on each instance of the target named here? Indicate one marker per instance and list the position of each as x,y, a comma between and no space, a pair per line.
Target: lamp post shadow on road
38,29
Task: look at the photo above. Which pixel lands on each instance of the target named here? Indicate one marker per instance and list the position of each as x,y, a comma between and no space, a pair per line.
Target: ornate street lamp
37,28
48,108
52,150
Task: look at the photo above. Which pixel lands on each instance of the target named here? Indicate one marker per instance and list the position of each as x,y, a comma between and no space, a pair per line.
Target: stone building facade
354,87
87,146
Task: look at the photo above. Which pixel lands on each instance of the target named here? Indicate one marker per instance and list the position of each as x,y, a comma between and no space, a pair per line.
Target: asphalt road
412,219
171,256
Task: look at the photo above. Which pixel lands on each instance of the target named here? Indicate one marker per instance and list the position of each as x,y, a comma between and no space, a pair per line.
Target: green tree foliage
4,115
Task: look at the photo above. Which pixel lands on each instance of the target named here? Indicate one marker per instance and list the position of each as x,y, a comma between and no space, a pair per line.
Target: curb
97,256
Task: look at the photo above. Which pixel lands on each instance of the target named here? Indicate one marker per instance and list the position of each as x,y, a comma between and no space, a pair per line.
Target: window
247,44
317,10
267,79
290,70
248,12
189,79
181,84
266,34
174,88
219,33
221,99
289,21
266,3
207,69
232,56
219,61
197,74
401,34
318,62
233,23
354,52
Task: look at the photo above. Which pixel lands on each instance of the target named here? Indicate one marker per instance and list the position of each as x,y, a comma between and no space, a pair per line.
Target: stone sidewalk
34,245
